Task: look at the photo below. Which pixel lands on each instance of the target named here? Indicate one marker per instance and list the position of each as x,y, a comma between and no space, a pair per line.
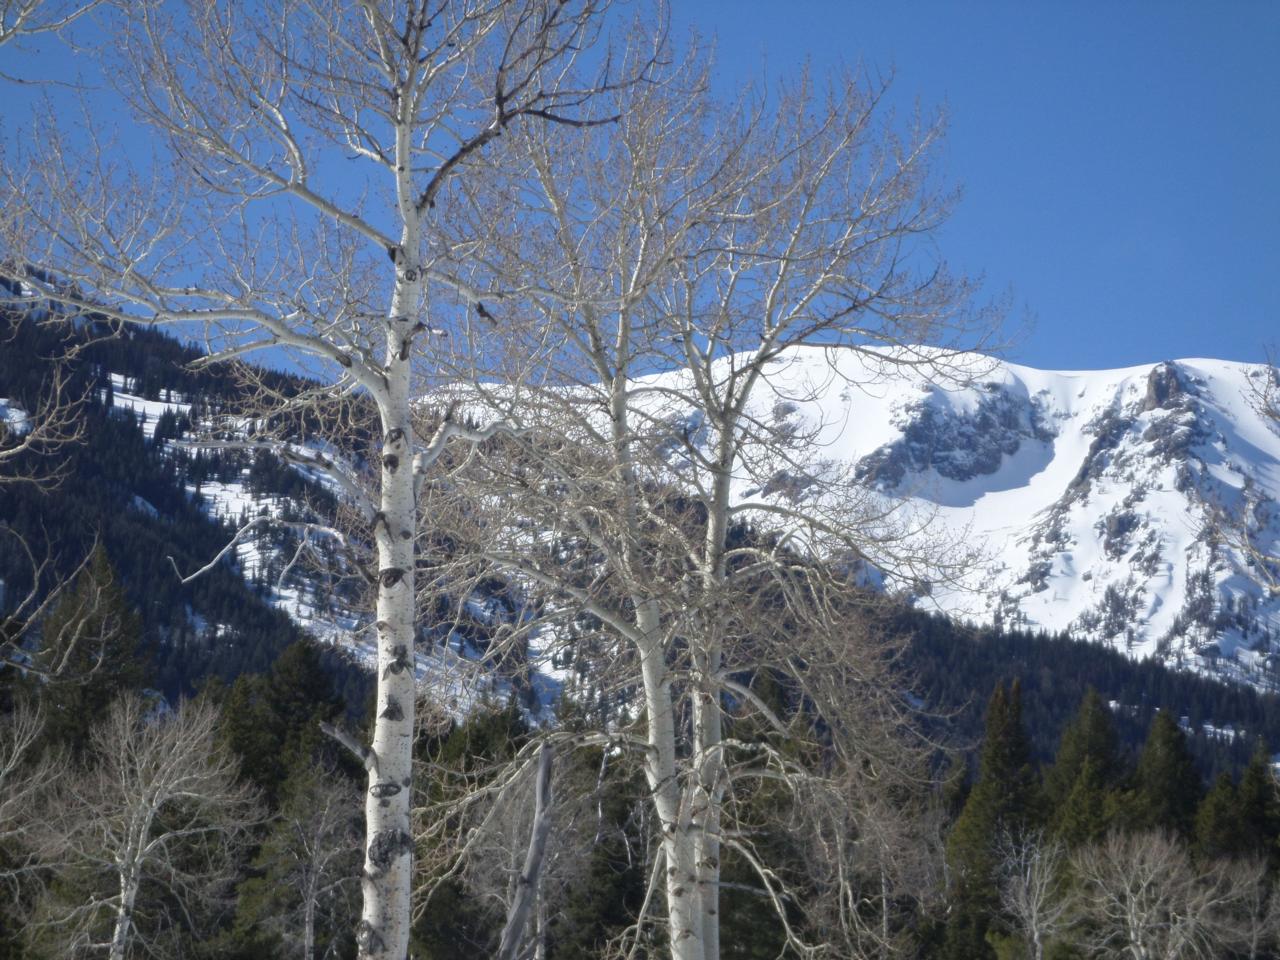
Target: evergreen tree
1084,814
1084,772
1002,799
1166,785
1259,805
301,901
1091,736
1218,823
90,651
273,722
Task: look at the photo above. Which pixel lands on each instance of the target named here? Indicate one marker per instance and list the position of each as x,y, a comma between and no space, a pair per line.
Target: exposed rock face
1164,386
957,446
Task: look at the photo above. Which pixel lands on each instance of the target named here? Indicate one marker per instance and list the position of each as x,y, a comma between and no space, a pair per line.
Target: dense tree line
946,662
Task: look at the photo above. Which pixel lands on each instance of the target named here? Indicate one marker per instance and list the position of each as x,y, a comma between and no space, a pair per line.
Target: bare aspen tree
726,244
1031,878
303,195
310,862
154,830
1143,898
27,773
33,436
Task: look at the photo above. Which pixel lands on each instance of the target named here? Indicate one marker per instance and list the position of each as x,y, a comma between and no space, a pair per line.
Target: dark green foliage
273,722
1084,772
1217,830
1166,786
1259,806
948,661
1091,736
602,898
91,652
455,926
311,855
1085,812
1002,801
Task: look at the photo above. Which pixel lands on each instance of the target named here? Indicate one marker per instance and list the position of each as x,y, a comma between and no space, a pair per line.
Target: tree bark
124,913
383,932
527,882
669,799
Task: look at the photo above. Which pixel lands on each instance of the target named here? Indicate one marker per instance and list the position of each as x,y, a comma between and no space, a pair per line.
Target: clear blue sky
1120,161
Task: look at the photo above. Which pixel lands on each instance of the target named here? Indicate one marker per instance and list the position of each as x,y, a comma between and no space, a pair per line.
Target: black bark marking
390,462
387,788
400,663
390,577
405,535
343,360
392,711
382,626
368,940
394,436
410,275
386,847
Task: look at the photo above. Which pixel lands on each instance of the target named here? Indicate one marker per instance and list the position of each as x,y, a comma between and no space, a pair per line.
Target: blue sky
1120,161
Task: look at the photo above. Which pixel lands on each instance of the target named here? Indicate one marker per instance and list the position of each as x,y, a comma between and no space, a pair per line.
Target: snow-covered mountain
1085,493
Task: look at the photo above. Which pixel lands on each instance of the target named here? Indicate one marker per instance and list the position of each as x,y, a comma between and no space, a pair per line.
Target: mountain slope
1085,492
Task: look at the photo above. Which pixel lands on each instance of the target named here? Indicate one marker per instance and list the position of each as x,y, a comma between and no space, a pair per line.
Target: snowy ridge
1086,492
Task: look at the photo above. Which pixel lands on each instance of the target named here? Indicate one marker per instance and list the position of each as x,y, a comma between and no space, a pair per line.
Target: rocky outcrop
956,446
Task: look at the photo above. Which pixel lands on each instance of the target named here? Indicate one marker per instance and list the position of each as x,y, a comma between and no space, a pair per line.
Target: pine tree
91,652
1166,786
1218,822
1084,813
273,722
1002,800
1259,805
1091,736
1085,770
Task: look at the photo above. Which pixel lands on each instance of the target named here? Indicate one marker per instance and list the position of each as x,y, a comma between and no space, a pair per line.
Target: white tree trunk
309,927
383,933
124,911
669,798
708,716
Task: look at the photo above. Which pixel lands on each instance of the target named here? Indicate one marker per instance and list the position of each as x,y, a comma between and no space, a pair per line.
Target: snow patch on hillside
147,411
15,420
